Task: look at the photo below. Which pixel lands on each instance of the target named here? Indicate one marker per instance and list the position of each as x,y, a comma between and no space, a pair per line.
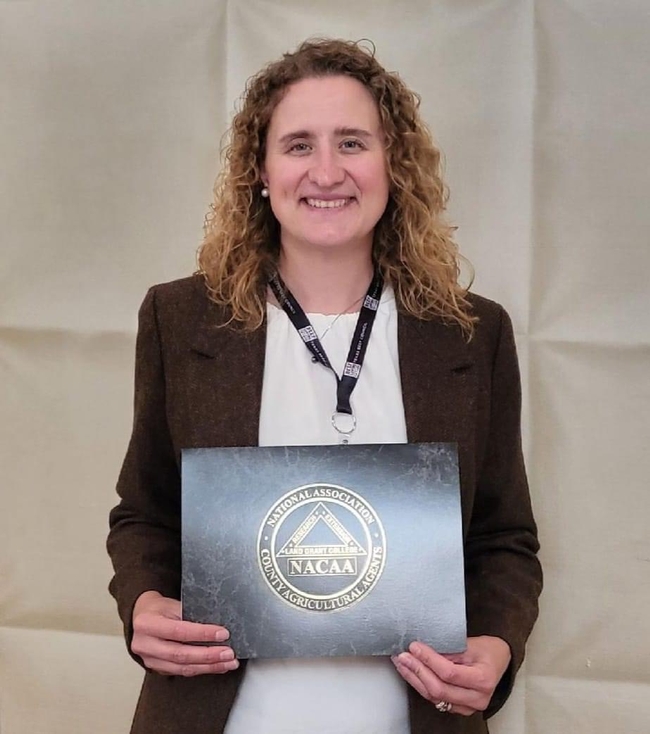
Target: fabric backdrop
111,119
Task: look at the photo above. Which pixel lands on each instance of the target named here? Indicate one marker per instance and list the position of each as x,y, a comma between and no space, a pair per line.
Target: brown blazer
200,385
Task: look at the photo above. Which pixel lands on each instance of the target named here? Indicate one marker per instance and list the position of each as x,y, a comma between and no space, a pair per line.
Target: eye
352,145
299,148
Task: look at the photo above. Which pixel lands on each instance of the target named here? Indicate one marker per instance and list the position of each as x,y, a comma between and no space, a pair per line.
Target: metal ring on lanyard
342,430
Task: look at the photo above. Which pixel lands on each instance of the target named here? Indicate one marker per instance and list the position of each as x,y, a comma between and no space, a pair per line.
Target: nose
326,171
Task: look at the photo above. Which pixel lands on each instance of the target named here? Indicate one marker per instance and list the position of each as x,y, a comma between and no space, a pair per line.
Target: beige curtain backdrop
111,116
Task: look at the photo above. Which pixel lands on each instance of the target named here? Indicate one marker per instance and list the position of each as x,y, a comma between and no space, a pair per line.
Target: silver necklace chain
338,316
334,320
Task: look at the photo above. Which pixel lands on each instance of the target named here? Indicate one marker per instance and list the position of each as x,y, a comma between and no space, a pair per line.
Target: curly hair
412,243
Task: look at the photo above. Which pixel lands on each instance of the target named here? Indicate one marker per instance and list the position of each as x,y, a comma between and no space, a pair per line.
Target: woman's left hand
465,680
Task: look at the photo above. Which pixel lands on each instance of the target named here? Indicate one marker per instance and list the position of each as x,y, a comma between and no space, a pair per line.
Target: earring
265,193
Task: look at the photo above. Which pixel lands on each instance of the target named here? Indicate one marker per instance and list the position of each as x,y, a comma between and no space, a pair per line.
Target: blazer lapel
230,362
438,380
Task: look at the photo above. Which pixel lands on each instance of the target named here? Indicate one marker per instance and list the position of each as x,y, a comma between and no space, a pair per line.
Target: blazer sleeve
144,537
503,574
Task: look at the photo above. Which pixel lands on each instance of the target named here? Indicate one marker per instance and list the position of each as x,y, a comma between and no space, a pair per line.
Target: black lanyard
348,380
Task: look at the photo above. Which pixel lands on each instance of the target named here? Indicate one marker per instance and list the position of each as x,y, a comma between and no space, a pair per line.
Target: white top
326,695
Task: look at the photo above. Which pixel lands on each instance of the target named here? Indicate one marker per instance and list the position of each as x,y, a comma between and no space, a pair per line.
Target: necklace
338,316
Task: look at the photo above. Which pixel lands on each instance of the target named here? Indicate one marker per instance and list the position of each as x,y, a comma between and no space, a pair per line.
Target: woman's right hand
162,639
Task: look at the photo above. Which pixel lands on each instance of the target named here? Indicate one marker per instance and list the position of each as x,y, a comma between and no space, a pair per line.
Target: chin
333,244
338,240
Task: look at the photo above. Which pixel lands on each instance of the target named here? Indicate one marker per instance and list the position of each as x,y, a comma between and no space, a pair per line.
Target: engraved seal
321,547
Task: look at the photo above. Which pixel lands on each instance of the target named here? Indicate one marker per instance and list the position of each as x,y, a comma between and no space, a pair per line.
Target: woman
331,188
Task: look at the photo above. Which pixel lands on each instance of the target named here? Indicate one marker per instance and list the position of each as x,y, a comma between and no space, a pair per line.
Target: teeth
322,204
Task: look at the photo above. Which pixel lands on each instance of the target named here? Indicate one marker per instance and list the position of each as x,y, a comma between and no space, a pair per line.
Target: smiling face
325,166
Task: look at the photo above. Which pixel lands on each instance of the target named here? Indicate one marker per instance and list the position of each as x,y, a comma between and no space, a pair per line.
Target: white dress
326,695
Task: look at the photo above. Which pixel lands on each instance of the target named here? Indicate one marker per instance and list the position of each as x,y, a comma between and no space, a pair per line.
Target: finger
178,630
181,654
166,667
460,710
439,690
459,658
412,679
449,672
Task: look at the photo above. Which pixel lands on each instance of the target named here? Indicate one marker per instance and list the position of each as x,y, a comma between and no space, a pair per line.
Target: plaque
325,550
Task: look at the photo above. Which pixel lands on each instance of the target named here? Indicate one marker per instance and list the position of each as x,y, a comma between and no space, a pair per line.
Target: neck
327,282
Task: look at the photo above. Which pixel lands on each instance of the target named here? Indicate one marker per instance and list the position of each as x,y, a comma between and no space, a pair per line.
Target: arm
144,537
503,575
144,540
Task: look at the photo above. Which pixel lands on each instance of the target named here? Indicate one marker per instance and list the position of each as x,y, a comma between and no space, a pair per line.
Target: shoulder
427,342
490,314
184,293
180,309
493,332
184,317
493,320
185,300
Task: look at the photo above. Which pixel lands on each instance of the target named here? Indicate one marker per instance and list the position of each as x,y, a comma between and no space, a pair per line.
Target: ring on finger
444,707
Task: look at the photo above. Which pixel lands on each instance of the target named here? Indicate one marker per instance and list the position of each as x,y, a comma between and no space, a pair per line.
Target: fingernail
227,655
415,648
233,665
222,635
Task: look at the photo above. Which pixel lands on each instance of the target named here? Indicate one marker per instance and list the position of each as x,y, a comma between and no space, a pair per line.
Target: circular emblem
321,547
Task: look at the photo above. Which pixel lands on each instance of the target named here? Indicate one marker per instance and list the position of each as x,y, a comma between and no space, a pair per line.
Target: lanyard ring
339,429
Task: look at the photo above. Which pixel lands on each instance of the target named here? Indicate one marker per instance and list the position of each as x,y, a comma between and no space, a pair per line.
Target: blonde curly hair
412,245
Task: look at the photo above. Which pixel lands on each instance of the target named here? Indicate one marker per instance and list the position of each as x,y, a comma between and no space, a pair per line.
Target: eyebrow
339,132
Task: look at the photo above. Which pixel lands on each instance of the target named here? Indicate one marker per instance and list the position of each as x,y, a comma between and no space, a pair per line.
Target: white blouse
326,695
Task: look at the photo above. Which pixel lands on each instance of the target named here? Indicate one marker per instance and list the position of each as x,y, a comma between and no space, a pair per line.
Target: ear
263,177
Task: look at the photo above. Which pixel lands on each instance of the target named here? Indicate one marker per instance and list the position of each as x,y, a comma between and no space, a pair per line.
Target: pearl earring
265,193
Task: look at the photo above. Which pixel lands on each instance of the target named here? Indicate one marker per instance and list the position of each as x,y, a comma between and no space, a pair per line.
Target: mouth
328,203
